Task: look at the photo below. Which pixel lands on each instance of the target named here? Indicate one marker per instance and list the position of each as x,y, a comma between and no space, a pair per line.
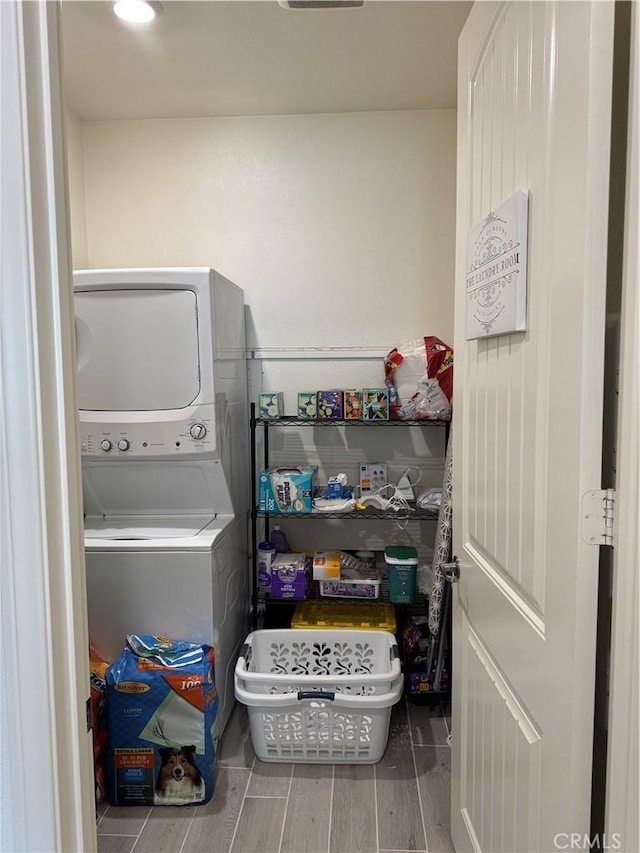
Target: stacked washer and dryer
162,392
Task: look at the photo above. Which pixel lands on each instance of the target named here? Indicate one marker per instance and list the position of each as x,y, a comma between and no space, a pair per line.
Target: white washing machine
164,428
184,584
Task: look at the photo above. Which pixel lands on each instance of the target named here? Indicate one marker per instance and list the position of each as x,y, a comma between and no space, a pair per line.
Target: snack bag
440,364
392,361
97,670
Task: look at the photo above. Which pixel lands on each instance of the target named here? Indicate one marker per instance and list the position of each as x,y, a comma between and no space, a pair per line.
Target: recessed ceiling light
136,11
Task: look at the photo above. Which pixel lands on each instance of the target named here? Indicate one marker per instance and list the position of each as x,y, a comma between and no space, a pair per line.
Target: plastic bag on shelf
424,578
428,403
430,498
419,375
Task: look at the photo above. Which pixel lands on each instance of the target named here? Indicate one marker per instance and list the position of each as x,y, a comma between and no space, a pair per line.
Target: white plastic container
402,566
319,696
367,589
266,556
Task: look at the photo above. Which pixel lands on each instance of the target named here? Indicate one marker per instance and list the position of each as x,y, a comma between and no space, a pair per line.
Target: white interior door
533,114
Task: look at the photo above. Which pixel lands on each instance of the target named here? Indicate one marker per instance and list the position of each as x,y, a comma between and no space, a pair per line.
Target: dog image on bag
179,779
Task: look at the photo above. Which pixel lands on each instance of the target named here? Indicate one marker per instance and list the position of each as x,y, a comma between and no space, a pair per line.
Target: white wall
75,176
341,225
339,228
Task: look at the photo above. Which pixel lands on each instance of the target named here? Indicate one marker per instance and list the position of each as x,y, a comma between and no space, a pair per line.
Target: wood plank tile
399,814
306,827
235,748
428,727
446,713
116,843
214,823
434,783
269,780
353,829
260,825
124,820
165,830
101,808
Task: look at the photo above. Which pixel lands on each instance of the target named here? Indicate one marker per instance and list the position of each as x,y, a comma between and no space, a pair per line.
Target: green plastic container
402,566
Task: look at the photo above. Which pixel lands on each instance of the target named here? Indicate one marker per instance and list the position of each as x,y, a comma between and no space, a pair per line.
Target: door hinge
89,715
598,516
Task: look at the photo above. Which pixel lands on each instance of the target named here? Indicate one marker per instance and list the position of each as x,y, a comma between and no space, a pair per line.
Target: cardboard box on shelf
308,405
373,476
270,406
326,565
331,404
375,404
290,576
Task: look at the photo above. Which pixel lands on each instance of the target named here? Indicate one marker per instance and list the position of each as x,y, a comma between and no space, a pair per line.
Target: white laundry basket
319,697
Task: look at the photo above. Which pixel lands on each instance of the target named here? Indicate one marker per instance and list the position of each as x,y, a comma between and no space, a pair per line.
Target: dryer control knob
198,431
106,445
124,444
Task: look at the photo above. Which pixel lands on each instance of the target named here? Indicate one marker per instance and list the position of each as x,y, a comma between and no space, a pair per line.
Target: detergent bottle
279,540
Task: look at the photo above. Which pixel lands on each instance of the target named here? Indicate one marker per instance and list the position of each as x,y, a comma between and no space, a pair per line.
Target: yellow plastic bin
402,567
339,614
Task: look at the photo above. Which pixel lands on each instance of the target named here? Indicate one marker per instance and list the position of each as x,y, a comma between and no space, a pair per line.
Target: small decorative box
308,405
330,404
270,406
375,404
353,405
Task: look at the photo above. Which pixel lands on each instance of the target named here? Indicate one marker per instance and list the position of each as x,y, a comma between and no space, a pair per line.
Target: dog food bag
161,707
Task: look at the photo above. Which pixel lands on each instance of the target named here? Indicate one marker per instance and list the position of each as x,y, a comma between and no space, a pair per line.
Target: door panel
533,114
505,747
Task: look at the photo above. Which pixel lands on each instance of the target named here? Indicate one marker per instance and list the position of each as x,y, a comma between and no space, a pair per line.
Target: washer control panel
193,437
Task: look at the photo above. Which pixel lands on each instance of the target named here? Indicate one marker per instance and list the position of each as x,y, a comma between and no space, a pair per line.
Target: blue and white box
286,489
335,486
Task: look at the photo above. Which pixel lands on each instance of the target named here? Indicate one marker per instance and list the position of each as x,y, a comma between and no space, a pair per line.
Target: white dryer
164,424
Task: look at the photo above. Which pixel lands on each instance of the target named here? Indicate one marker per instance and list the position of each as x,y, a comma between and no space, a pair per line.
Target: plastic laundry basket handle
316,694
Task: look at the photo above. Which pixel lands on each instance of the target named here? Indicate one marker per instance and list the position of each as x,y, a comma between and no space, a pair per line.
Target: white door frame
49,802
622,796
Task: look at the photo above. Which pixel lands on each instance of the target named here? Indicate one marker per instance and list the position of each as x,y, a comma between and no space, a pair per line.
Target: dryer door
137,349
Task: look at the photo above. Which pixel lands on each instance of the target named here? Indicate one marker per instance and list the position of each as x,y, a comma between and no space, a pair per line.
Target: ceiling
254,57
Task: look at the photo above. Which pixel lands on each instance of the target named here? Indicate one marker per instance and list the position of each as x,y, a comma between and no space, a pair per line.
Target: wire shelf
291,420
364,514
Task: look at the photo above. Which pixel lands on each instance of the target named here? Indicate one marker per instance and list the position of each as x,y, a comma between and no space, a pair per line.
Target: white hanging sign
496,284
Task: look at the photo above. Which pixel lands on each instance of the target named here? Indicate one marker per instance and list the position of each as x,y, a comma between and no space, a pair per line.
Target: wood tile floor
399,804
